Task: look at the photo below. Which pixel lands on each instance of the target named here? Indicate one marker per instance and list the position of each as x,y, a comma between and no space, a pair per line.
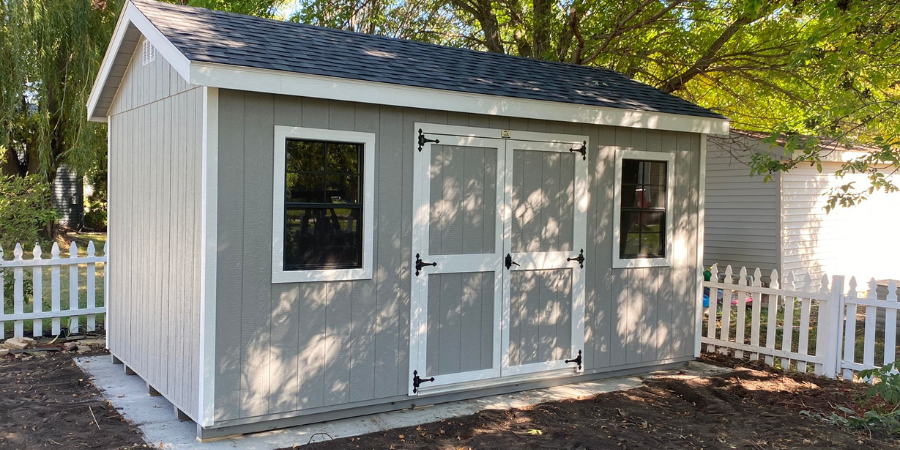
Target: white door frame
547,260
499,139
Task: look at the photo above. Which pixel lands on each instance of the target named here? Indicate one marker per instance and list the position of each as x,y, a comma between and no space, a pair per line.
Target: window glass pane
305,187
305,156
630,171
630,199
344,158
631,245
653,197
652,222
655,173
343,189
630,222
323,238
651,245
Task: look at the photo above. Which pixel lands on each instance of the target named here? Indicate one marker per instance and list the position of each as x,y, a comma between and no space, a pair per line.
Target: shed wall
154,222
742,212
315,347
67,198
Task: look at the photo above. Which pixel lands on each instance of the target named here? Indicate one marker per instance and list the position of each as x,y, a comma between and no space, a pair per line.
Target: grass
859,341
82,241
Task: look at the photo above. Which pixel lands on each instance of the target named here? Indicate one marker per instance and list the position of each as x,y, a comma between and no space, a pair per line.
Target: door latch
423,140
420,264
579,258
576,360
510,262
418,381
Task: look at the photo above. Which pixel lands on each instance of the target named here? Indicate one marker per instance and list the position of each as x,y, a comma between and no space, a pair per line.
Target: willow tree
50,52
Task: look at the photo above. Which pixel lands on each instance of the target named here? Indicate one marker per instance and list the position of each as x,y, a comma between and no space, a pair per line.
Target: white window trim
629,263
279,274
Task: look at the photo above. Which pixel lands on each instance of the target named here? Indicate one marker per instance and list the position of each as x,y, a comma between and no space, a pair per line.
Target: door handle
510,262
420,264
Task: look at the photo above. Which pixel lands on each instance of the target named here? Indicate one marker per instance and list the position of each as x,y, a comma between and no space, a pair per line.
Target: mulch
752,408
46,401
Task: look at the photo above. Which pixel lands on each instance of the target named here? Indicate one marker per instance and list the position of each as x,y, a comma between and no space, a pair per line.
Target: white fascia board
132,16
333,88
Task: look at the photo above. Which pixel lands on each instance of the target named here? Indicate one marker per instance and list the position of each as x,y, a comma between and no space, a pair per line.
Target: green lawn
46,301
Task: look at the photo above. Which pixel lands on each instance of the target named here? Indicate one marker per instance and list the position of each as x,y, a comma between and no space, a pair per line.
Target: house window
642,222
323,205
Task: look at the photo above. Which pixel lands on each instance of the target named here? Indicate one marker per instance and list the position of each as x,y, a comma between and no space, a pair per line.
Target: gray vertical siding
155,197
321,346
540,328
460,322
144,84
543,190
68,197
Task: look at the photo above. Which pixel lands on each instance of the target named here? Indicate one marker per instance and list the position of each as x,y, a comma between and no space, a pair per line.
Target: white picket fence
35,266
790,307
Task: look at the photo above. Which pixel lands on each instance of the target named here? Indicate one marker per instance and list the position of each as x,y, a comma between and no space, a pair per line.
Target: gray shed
308,224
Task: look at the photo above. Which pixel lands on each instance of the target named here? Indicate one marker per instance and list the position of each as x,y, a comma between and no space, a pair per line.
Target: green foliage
870,420
95,205
885,382
25,210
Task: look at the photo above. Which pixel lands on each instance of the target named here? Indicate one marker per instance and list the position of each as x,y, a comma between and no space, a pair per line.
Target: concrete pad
161,428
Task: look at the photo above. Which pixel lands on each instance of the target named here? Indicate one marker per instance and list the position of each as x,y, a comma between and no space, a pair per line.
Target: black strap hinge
582,150
418,381
420,264
576,360
423,140
579,258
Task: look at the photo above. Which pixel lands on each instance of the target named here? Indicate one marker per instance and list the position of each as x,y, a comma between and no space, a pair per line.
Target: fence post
834,319
106,292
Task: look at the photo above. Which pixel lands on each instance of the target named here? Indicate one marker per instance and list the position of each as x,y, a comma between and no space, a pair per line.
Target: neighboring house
783,225
279,195
68,197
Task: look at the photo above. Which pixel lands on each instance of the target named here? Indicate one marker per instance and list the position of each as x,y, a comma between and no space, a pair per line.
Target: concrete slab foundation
153,415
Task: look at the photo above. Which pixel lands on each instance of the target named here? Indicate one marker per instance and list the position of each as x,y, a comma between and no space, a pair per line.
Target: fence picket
726,305
106,291
54,287
741,312
787,323
772,313
823,327
871,316
73,288
805,309
890,325
18,293
850,330
37,299
756,307
90,293
713,309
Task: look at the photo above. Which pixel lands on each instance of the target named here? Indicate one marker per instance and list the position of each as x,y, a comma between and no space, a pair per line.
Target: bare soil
46,401
750,408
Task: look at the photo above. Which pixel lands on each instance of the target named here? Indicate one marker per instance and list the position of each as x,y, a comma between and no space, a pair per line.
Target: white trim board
279,273
332,88
632,263
208,256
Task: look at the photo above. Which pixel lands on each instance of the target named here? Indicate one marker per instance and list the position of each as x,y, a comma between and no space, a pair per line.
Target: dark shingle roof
217,37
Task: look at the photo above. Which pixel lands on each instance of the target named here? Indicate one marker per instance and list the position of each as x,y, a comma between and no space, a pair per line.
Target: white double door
498,239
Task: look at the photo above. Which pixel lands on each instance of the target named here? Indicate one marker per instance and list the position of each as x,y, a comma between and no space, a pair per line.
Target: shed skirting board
277,421
130,370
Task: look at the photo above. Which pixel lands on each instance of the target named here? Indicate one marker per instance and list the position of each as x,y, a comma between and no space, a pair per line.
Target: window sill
312,276
639,263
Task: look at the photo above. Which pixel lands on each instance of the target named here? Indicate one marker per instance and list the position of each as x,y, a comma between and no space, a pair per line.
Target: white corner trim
132,16
701,236
631,263
279,274
208,256
332,88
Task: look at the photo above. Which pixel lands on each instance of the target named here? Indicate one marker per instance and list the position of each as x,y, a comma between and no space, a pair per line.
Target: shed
782,224
307,224
68,197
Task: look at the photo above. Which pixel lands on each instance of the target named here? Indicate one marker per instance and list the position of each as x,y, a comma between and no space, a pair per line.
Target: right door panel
545,213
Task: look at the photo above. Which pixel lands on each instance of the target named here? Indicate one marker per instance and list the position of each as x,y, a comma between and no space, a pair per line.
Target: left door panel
456,303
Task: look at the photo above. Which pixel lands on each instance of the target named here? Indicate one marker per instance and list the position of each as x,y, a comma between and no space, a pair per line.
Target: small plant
885,382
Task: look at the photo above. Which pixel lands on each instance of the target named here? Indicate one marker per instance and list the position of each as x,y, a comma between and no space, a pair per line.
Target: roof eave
342,89
131,17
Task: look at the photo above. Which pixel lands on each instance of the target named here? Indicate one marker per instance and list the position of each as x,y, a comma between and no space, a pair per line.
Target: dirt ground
752,408
46,401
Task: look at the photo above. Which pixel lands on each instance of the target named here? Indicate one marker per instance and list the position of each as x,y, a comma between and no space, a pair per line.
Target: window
323,205
643,222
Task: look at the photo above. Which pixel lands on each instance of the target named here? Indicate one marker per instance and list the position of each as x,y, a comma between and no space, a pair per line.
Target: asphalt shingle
234,39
